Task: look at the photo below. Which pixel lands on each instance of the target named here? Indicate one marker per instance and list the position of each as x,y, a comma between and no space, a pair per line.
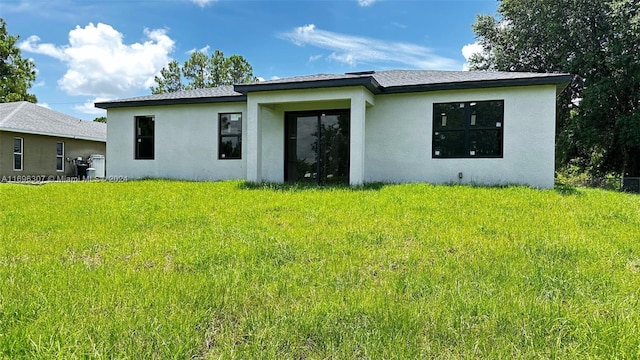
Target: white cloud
354,50
203,3
366,2
468,51
204,50
344,57
89,108
44,105
100,64
30,45
315,57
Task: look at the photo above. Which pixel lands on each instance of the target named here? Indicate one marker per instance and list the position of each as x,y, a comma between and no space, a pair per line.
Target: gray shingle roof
399,78
378,82
393,81
25,117
208,95
393,78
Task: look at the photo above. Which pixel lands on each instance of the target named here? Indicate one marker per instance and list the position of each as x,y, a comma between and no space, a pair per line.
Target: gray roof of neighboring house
25,117
378,82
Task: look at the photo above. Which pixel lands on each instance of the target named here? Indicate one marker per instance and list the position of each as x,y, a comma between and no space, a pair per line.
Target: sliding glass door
317,147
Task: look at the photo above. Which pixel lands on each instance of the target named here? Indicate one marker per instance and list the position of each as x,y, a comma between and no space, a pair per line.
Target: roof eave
44,133
368,82
561,81
181,101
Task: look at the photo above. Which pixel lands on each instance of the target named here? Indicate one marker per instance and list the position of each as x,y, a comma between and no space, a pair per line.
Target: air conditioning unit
98,163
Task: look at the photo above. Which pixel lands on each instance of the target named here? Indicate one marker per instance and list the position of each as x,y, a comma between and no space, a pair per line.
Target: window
60,156
144,137
468,129
230,140
18,151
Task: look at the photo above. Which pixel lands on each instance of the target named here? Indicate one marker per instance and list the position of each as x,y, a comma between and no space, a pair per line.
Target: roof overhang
560,81
179,101
367,81
41,133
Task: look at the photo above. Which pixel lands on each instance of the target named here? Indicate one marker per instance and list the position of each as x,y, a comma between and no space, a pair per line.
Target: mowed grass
167,269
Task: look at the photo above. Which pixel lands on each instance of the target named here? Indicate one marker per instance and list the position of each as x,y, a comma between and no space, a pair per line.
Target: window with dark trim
230,136
144,137
468,129
18,152
59,156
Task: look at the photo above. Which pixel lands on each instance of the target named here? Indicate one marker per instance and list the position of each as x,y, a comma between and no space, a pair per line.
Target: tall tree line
201,71
598,41
16,73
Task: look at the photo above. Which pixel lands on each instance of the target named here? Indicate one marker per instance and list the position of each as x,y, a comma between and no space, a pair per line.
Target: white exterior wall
186,143
399,139
396,137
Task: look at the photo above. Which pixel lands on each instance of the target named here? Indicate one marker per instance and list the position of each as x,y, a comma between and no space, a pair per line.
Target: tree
198,72
596,41
238,70
201,71
101,119
169,80
16,74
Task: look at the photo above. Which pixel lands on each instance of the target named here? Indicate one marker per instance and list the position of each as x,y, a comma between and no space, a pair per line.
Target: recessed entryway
317,146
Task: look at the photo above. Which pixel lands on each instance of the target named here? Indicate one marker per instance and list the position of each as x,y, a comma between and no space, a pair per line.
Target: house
40,143
382,126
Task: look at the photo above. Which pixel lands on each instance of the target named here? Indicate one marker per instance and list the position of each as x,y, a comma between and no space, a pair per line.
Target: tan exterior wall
39,154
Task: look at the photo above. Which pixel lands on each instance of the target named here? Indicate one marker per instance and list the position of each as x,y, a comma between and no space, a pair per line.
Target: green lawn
166,269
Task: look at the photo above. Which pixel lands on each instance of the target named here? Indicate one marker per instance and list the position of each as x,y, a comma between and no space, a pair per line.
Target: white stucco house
383,126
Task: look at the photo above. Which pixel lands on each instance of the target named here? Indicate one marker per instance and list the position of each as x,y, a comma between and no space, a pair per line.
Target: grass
165,269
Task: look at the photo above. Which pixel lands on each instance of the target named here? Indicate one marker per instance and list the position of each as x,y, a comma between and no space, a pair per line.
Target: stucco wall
397,135
39,154
186,143
399,139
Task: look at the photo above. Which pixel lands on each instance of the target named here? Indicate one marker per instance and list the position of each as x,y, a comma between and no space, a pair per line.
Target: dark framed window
18,153
59,156
468,129
230,136
144,137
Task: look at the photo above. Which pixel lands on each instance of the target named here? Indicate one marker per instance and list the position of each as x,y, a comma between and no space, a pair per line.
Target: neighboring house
40,142
384,126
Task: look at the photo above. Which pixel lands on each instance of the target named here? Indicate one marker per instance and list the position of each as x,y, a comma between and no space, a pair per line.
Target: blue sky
106,49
